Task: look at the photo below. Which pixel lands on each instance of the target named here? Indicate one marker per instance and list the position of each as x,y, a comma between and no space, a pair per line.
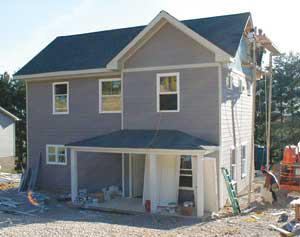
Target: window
229,82
232,163
56,154
243,161
168,92
110,96
61,98
241,88
185,177
249,87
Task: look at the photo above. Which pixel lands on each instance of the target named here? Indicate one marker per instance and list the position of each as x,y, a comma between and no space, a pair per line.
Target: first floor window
243,161
168,92
232,163
60,98
110,96
241,88
186,176
56,154
229,82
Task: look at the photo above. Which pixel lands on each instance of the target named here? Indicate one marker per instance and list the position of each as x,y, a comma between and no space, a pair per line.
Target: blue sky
28,26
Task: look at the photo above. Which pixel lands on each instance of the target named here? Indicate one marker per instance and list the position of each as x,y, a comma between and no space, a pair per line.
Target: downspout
220,187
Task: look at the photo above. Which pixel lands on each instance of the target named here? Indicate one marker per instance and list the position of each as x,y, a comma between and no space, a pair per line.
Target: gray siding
169,46
83,121
198,103
236,120
7,136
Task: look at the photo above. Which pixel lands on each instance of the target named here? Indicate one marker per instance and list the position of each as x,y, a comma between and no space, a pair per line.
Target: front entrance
138,170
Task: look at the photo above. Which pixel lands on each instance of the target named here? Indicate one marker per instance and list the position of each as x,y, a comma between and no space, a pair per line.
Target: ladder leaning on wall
231,192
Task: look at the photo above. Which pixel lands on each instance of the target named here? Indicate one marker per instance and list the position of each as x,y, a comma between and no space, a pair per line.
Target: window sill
60,113
186,188
166,111
110,112
55,163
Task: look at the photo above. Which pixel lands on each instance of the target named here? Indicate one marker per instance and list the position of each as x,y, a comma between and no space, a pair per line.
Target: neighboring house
156,110
7,140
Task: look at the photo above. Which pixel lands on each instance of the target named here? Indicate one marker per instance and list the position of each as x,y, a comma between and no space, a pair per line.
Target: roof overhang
68,74
159,21
9,114
208,149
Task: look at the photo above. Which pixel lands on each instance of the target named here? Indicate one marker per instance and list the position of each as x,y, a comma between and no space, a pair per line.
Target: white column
130,176
154,186
74,175
200,187
123,175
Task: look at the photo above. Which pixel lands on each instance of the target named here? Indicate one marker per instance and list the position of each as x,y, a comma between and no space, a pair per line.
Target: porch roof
145,139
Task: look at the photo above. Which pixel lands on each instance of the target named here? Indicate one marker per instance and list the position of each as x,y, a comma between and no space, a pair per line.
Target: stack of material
29,178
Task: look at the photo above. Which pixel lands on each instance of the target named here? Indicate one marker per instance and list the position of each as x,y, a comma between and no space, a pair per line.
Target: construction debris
29,178
283,218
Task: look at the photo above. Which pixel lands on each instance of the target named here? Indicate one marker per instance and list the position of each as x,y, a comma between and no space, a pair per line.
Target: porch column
200,186
74,175
153,182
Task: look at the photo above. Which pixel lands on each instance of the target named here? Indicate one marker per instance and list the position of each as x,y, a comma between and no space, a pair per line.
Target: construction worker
271,183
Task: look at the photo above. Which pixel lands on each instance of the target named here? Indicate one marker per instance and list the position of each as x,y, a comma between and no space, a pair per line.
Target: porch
155,168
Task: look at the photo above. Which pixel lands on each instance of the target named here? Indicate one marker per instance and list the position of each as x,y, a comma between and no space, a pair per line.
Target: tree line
13,99
285,116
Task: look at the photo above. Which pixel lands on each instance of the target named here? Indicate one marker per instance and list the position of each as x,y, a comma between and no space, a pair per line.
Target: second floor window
61,98
168,92
110,96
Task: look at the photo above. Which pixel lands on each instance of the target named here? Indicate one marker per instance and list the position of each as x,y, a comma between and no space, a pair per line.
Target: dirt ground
57,219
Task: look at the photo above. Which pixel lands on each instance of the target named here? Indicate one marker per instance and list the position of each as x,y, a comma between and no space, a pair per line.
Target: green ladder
231,192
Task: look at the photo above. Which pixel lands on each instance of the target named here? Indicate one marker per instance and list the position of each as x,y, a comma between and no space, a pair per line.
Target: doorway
138,170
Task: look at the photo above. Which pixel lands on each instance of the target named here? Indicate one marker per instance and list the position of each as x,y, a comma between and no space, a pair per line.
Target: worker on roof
271,183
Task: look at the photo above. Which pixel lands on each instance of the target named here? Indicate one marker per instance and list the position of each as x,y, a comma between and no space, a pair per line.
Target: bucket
148,205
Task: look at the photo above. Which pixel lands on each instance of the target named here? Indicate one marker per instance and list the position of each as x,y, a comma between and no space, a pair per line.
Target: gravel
64,221
60,220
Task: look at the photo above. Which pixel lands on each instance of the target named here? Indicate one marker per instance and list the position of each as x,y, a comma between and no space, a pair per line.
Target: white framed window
233,163
243,161
110,95
186,173
229,80
56,155
60,98
240,86
168,92
249,86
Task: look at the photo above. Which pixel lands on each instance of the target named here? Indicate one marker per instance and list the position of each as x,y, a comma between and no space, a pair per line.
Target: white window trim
56,156
158,93
53,97
100,96
243,175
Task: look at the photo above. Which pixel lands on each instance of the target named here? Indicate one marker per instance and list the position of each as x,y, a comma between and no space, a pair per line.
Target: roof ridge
210,17
140,26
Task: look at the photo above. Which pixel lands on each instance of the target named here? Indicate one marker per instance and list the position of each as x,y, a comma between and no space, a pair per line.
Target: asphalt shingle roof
95,50
152,139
